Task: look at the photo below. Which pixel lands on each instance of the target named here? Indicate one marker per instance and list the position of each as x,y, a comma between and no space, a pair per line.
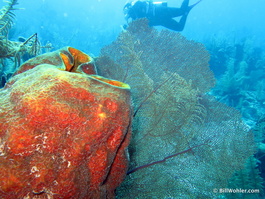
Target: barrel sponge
64,131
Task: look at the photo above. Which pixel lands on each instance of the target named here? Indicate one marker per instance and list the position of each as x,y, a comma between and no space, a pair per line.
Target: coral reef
12,52
259,132
248,178
239,66
184,143
14,49
63,129
240,70
6,22
6,17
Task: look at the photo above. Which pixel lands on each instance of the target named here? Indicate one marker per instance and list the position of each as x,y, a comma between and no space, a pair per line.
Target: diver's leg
184,5
167,12
184,9
183,19
174,25
182,22
174,12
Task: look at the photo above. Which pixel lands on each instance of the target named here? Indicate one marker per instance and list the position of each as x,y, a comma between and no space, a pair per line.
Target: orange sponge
63,129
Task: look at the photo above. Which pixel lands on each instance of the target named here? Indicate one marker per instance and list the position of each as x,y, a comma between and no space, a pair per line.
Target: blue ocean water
232,30
88,25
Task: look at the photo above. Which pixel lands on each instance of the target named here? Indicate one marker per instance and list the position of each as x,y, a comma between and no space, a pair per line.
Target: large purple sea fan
184,143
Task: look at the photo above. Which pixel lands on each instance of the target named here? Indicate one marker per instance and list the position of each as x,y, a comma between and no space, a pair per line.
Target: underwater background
93,24
231,30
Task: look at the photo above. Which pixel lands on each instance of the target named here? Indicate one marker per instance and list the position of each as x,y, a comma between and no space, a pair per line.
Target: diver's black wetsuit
159,14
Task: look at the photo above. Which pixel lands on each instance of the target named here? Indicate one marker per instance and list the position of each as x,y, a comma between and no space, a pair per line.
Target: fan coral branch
147,97
163,160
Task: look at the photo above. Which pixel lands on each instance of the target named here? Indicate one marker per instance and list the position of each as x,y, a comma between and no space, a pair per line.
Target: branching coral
248,178
240,70
11,49
194,142
6,17
14,50
6,22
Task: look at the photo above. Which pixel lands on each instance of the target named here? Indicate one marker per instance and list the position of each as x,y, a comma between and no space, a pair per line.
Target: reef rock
63,129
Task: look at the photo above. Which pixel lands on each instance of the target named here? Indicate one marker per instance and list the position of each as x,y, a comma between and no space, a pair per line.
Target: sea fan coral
184,143
64,129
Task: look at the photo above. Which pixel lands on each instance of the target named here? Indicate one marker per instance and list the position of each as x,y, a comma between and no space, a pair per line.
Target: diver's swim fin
194,4
190,7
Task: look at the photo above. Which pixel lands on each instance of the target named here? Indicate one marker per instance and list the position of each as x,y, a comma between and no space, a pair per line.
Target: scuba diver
158,13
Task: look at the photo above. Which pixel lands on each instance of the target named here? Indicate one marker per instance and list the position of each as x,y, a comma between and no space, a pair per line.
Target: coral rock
63,129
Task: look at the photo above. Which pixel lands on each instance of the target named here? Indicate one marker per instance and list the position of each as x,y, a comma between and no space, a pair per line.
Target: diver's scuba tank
153,5
141,8
160,3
